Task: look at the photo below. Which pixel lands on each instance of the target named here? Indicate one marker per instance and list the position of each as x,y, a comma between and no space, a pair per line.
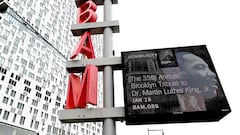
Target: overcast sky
153,24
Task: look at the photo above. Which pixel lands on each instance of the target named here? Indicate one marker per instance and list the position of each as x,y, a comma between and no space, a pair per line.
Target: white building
33,78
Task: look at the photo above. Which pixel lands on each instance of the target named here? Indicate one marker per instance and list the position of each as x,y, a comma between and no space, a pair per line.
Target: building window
31,75
17,77
57,104
3,70
5,50
58,99
11,102
1,28
38,79
49,128
26,99
46,116
38,88
27,89
5,115
74,127
2,59
31,65
46,98
30,111
82,130
14,118
45,107
21,51
9,63
2,78
36,124
16,42
12,82
23,36
22,120
22,97
13,93
3,40
20,106
53,118
38,94
60,91
40,70
24,71
55,130
31,123
7,91
5,100
27,82
54,111
35,111
48,93
23,61
34,102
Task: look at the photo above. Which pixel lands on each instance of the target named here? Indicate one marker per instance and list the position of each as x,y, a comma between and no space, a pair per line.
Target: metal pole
108,98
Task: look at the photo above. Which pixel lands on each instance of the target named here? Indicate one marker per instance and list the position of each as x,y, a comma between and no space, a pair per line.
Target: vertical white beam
108,98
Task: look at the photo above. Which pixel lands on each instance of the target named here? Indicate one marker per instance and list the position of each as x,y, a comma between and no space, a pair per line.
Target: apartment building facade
35,42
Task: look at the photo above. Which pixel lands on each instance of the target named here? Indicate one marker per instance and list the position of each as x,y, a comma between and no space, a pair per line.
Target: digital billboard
172,85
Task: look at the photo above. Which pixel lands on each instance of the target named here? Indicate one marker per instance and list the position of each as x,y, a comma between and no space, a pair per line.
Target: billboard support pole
108,97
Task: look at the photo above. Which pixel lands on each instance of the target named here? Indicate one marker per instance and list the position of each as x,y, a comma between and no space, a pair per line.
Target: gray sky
153,24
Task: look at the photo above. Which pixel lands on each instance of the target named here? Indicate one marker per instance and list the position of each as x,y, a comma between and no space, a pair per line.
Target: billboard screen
172,85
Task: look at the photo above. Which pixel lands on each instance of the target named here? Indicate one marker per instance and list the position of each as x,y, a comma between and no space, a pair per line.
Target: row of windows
27,82
38,94
6,116
38,79
21,120
21,106
17,77
35,123
13,92
3,70
28,89
12,82
21,98
57,131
